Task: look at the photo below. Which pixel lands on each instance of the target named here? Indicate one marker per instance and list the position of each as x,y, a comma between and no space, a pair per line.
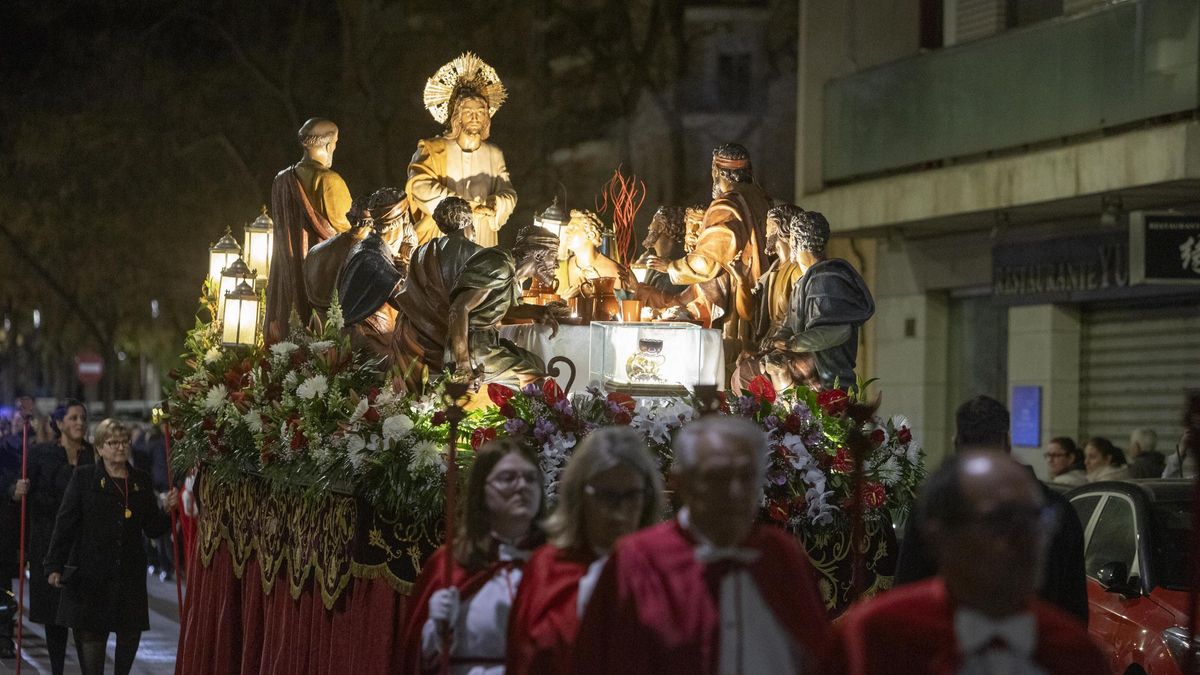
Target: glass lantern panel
653,359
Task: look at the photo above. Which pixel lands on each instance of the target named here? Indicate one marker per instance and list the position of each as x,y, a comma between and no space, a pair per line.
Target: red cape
433,578
544,619
653,611
911,630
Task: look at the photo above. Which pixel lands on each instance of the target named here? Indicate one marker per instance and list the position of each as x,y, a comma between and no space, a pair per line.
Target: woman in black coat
96,552
50,468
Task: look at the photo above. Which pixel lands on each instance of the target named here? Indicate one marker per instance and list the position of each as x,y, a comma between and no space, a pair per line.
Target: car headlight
1177,641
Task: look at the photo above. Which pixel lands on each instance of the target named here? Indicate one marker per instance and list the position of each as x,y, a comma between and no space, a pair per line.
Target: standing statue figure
582,236
765,304
463,95
309,202
734,228
455,294
828,305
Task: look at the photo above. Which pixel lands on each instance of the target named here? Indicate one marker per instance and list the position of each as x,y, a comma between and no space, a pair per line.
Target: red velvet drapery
232,626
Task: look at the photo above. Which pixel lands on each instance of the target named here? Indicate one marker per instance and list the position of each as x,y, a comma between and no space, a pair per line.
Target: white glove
444,605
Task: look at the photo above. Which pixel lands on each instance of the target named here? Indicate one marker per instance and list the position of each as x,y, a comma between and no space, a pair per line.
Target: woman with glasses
49,471
1065,461
611,487
496,533
96,552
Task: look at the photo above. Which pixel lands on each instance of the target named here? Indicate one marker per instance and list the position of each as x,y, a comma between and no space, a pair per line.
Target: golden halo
468,71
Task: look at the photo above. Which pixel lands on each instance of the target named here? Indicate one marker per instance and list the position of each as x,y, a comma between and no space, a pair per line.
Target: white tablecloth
573,343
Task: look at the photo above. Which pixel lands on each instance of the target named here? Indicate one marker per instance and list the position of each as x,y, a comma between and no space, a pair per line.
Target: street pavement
156,654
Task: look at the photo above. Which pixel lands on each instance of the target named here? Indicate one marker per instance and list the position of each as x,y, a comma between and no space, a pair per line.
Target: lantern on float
552,220
257,244
231,276
221,255
239,316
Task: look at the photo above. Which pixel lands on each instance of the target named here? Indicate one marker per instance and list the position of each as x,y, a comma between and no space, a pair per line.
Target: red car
1136,537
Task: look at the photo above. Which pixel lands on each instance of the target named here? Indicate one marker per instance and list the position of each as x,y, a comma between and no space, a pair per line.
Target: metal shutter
1135,364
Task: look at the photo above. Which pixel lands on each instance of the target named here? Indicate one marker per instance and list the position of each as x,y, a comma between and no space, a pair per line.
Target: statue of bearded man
462,163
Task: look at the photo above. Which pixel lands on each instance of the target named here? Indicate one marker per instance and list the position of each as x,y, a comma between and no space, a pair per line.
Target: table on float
573,342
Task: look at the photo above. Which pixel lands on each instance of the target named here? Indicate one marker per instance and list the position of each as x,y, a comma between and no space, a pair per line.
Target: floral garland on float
311,414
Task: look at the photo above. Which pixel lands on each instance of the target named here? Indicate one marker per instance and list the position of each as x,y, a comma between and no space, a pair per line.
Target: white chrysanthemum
283,349
212,355
899,421
914,452
397,427
291,380
360,410
253,421
319,346
889,471
215,397
425,454
355,444
312,388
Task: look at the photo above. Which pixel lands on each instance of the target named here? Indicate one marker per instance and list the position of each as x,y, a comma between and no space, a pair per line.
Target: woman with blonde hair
611,487
96,552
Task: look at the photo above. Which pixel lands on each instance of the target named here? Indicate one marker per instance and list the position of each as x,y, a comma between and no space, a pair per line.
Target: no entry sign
89,367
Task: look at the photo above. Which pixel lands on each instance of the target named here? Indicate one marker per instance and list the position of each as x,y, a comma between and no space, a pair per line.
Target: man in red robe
987,522
709,592
309,202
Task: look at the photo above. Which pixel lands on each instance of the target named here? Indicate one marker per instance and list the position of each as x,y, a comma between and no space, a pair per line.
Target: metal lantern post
221,255
237,273
257,245
239,317
553,219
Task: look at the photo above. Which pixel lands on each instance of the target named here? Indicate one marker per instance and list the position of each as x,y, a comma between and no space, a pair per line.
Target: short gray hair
720,430
603,449
1145,438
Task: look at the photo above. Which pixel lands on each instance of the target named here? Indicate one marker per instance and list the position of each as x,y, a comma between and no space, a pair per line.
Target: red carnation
372,394
842,462
622,399
372,415
481,436
622,418
551,392
793,423
499,394
904,435
873,495
877,437
833,401
761,389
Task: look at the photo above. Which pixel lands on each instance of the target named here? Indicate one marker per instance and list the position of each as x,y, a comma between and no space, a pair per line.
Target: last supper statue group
424,286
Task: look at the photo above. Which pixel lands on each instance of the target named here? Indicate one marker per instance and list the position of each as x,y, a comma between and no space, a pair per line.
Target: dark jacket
1149,464
49,475
1063,582
107,589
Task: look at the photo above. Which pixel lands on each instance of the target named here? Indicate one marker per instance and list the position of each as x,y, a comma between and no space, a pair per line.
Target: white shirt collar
975,631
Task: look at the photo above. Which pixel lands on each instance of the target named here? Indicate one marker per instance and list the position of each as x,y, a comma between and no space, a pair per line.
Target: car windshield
1172,525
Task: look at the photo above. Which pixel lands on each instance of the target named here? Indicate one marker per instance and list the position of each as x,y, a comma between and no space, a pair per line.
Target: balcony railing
1127,62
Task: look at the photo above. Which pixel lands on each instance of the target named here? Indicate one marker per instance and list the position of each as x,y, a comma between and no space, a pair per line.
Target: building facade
989,164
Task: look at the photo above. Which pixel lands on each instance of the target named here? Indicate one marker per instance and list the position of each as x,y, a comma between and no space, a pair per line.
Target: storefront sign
1164,248
1073,269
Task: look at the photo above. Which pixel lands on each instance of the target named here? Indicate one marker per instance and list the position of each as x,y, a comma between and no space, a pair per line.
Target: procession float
350,354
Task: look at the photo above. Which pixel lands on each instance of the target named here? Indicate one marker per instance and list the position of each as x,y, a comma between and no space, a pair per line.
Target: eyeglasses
117,443
1014,519
615,499
508,480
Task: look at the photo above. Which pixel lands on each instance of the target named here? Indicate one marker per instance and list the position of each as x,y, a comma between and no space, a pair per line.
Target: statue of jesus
463,94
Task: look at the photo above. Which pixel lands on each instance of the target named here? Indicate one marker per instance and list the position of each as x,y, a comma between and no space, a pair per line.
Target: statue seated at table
582,236
372,273
692,301
456,293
